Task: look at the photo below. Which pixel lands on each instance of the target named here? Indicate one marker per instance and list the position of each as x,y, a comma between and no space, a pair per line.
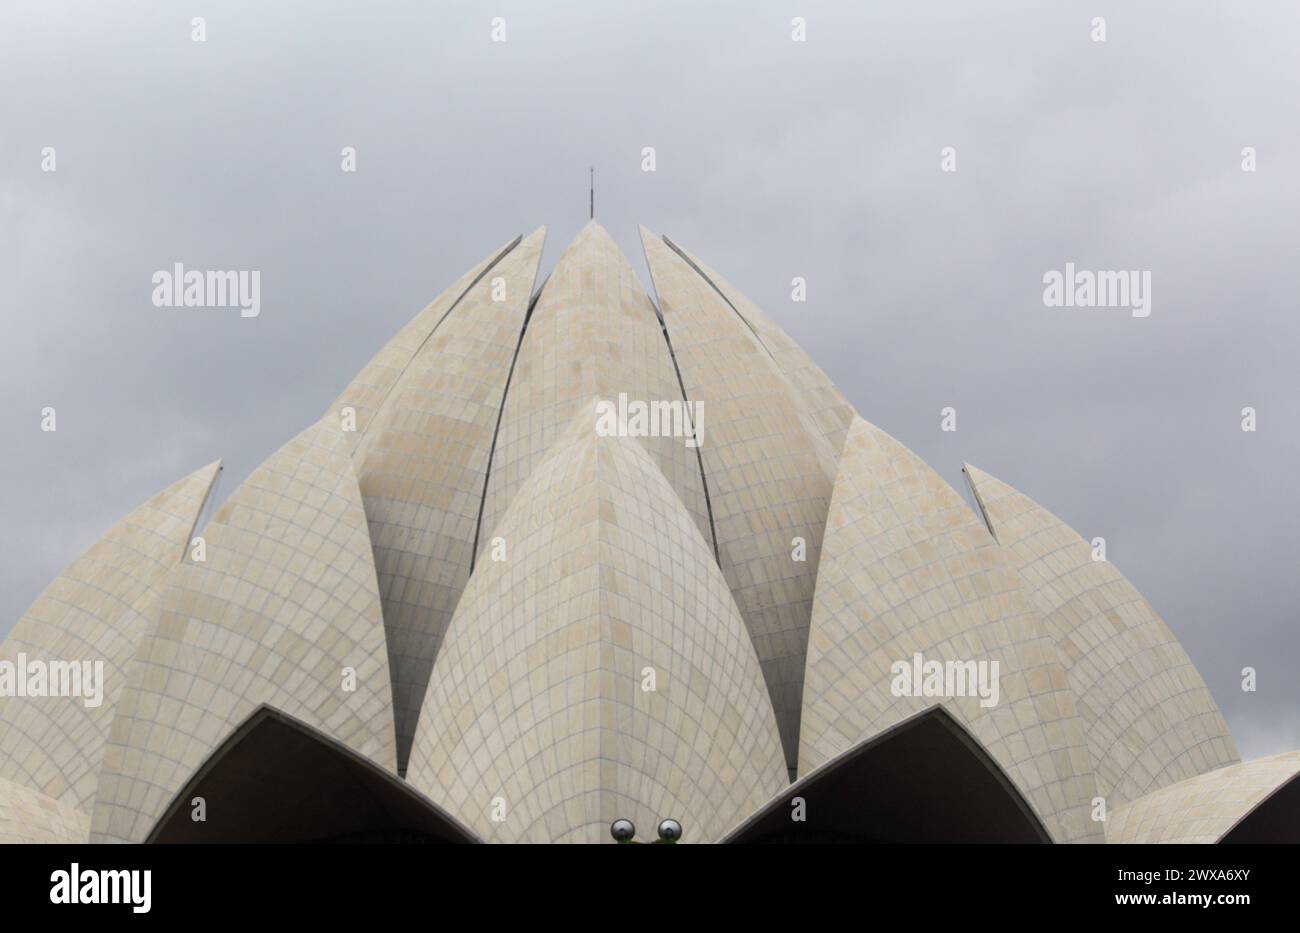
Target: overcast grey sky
775,159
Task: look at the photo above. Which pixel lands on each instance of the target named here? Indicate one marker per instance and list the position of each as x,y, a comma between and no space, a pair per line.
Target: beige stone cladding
422,465
1204,808
830,410
593,332
769,473
283,606
28,816
98,609
545,619
539,726
908,568
1151,720
370,387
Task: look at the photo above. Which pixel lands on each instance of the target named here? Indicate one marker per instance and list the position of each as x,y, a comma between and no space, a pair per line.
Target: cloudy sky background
775,159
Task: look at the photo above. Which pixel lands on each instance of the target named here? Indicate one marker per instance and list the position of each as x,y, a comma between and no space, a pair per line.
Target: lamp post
624,832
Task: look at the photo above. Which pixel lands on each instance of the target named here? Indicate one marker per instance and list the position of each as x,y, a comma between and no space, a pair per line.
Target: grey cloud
775,159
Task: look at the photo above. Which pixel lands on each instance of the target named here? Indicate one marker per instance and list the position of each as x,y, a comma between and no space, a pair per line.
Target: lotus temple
457,609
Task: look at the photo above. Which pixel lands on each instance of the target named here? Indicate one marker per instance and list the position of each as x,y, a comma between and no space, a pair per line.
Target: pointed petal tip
975,474
592,230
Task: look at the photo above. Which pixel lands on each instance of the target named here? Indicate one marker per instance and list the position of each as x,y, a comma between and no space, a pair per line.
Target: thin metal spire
592,170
